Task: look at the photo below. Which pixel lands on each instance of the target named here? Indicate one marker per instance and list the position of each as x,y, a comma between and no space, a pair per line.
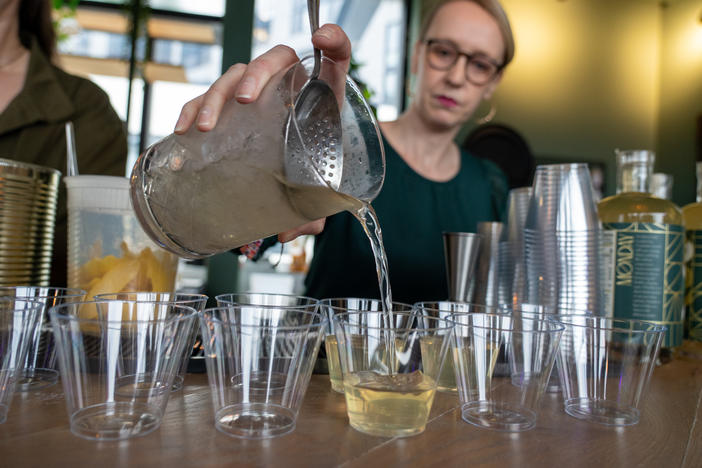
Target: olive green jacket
32,130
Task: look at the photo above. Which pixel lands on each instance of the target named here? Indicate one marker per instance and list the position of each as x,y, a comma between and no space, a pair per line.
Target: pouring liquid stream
369,221
309,201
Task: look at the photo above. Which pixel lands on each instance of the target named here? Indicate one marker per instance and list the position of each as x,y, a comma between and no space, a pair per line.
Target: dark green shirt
413,212
32,130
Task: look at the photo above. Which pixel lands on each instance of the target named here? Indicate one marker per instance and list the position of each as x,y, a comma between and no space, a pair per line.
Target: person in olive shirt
37,99
430,184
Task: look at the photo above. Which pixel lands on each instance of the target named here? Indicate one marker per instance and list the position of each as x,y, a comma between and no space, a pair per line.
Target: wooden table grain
669,434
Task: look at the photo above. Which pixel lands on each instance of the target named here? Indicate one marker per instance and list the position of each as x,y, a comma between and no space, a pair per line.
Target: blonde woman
431,185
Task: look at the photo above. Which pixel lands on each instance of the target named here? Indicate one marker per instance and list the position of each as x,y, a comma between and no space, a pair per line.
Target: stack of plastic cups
511,269
562,239
563,242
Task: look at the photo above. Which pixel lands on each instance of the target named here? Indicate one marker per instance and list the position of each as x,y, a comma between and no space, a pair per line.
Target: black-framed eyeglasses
442,55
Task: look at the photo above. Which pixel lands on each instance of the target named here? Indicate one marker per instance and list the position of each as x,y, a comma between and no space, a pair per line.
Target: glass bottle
692,219
649,241
662,185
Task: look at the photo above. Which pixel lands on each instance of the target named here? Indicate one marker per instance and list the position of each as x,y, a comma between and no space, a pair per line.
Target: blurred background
589,76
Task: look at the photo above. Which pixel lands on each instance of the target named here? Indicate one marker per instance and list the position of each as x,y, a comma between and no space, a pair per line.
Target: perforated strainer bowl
355,165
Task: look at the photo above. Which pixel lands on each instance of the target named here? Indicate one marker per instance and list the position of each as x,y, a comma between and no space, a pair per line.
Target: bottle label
648,275
694,289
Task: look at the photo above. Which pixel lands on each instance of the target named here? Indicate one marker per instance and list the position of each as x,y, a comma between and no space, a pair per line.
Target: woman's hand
313,228
245,82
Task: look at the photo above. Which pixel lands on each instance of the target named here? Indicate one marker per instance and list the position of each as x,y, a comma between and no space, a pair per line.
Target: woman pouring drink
431,186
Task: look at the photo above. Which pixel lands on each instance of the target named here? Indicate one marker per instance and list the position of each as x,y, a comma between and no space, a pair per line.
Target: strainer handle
313,13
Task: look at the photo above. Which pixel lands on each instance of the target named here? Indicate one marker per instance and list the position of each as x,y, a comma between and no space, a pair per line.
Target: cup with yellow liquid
390,364
444,309
491,399
332,306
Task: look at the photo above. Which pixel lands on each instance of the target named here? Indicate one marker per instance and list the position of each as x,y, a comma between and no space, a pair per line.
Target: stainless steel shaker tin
28,198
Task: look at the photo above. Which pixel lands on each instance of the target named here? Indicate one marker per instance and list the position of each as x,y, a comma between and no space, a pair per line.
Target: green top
32,130
412,212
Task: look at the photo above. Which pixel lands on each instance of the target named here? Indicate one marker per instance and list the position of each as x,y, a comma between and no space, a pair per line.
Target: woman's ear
491,87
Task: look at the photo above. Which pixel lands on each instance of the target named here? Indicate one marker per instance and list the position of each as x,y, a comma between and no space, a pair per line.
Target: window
206,7
178,57
376,30
299,16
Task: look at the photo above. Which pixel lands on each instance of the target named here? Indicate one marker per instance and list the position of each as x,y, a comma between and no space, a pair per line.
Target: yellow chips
145,271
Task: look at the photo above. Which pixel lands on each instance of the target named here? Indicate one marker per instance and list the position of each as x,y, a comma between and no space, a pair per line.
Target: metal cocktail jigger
460,253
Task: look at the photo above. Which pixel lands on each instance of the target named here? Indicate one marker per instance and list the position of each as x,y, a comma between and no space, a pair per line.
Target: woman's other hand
312,228
245,82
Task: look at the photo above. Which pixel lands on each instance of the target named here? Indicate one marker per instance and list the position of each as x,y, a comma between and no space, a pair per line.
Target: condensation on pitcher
175,162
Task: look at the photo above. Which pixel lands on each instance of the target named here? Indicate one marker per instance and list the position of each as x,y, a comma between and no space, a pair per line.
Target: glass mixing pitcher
202,193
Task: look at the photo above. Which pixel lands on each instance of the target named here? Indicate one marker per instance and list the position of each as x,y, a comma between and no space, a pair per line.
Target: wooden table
669,434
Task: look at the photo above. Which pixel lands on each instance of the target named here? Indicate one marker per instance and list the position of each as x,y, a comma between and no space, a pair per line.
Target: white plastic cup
108,251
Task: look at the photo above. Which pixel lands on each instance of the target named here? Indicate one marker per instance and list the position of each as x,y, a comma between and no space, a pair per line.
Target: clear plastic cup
108,251
332,306
259,362
492,401
267,299
196,301
605,365
19,319
118,360
40,366
390,373
543,312
445,309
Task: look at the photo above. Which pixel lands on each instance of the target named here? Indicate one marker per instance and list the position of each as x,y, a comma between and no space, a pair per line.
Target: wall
584,80
591,76
680,94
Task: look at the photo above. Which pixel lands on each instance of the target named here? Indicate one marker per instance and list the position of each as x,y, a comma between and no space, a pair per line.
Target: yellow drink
389,405
431,347
337,382
478,368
